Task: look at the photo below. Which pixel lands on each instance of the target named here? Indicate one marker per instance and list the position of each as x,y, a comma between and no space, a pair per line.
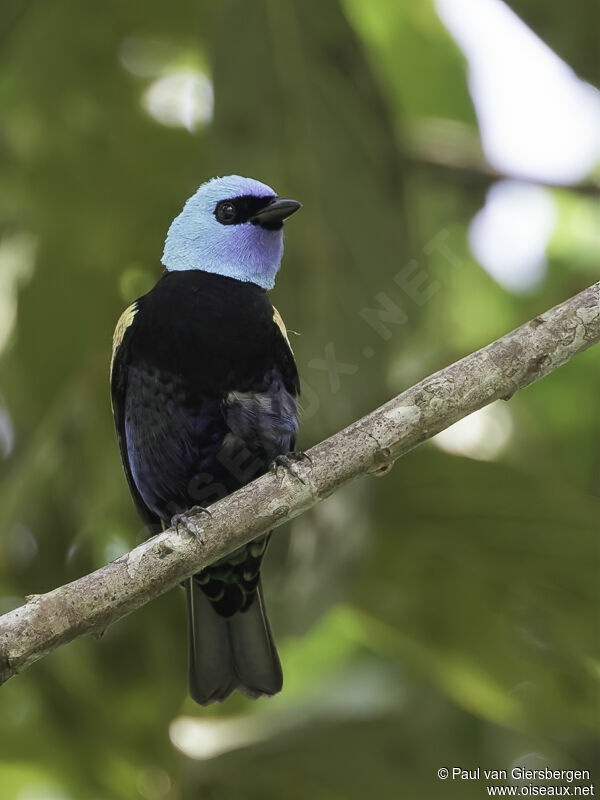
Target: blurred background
447,158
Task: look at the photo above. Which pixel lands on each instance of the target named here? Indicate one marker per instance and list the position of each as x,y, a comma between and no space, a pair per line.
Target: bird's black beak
276,211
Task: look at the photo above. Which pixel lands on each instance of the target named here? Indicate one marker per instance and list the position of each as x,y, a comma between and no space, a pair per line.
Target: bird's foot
289,462
186,522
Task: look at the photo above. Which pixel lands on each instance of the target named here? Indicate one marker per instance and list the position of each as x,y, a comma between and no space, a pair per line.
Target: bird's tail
227,653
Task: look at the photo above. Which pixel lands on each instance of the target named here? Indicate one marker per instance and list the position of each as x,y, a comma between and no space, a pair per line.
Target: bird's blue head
231,226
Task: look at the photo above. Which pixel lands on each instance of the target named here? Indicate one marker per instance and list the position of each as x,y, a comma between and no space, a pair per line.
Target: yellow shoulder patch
281,325
124,322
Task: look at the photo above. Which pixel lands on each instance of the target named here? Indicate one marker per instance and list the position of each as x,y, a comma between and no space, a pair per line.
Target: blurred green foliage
445,615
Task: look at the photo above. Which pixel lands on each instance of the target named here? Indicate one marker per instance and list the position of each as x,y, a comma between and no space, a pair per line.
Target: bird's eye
225,212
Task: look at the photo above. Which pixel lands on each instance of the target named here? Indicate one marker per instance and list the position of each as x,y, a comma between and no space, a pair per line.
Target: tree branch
371,445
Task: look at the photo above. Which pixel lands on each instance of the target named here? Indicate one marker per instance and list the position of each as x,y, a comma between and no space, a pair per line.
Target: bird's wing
265,418
118,385
284,355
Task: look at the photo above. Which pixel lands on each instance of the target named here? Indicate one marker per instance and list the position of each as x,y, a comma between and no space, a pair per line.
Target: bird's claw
184,520
288,462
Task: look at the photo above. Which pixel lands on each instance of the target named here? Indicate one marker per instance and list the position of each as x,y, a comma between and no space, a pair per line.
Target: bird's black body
203,387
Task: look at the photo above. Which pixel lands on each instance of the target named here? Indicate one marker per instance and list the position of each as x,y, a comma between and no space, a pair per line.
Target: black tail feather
227,653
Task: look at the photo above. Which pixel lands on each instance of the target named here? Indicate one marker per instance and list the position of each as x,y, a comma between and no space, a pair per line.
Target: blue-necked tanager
204,389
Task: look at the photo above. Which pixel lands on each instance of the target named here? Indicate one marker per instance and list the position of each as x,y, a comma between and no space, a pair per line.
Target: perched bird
204,388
